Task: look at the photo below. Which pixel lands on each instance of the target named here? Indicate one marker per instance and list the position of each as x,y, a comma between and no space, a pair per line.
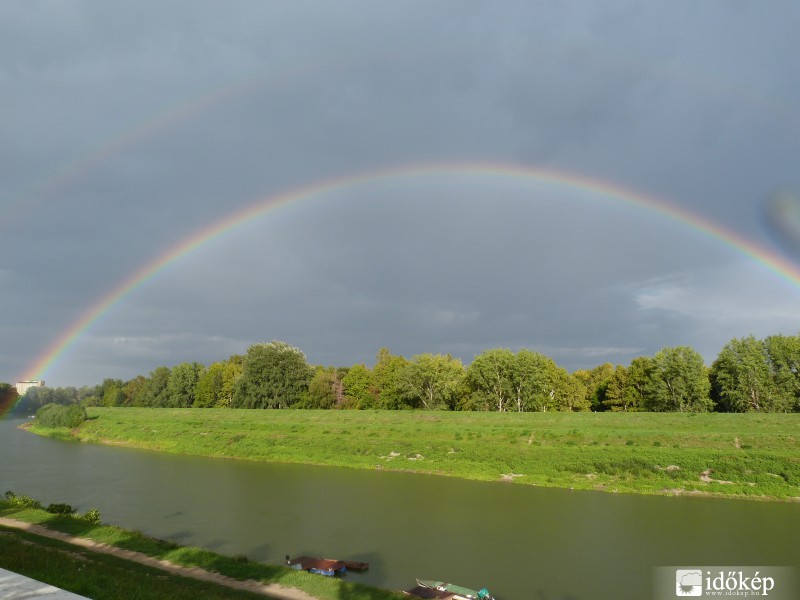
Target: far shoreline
711,455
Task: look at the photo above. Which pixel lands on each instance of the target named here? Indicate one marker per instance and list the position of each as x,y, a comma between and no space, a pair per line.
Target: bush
56,415
22,501
59,508
92,516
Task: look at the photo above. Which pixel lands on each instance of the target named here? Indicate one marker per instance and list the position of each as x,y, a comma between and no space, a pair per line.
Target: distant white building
23,386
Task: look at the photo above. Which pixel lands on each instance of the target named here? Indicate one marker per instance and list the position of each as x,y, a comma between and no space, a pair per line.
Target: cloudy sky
127,129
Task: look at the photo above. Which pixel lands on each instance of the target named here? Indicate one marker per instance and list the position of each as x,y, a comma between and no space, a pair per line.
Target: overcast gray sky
128,127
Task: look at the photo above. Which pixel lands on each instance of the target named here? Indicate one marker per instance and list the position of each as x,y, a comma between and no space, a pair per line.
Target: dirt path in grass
271,590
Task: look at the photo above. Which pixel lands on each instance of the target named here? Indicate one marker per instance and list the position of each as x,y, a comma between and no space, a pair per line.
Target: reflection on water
521,542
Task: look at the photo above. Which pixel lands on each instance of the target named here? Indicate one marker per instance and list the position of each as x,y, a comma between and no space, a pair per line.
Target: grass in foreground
737,455
97,575
101,576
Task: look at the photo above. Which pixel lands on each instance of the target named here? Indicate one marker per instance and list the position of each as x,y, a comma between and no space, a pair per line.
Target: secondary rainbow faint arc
503,173
156,122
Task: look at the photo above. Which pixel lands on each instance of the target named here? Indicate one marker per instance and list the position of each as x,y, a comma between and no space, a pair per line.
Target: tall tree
385,378
431,381
639,373
678,382
274,375
783,354
359,388
500,380
134,391
113,393
182,382
157,395
8,397
234,367
742,378
490,379
539,384
208,391
616,396
570,393
325,390
596,382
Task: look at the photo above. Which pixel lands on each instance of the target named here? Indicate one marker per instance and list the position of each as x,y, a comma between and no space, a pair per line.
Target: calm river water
523,543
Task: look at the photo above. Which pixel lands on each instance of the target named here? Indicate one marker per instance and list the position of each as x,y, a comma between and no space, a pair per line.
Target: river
522,542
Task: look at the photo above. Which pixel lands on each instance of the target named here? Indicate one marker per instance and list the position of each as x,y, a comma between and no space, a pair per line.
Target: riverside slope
751,456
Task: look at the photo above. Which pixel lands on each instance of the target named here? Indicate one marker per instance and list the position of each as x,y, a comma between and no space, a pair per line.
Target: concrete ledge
18,587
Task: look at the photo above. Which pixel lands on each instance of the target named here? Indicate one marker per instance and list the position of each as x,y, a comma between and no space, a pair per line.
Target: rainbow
166,117
458,173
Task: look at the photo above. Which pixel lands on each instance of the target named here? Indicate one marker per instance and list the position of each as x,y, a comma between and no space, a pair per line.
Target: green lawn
755,455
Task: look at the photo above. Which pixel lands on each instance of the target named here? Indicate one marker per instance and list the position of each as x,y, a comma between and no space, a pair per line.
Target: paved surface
18,587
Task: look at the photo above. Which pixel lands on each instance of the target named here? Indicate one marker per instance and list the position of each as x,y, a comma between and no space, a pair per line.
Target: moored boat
325,566
355,565
428,593
459,592
321,566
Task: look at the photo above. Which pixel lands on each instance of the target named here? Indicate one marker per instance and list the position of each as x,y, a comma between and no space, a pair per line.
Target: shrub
92,516
59,508
56,508
56,415
22,501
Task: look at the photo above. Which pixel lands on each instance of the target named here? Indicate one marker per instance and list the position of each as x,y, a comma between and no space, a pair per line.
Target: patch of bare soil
705,476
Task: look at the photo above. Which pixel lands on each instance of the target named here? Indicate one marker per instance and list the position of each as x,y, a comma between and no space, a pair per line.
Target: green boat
459,592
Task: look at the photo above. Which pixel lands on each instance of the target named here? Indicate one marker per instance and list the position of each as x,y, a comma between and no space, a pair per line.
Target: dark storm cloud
127,128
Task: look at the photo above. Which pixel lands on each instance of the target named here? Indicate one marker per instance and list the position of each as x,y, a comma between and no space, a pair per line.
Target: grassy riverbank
97,575
738,455
101,576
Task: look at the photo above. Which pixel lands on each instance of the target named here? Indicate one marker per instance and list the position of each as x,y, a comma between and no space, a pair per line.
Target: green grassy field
102,576
739,455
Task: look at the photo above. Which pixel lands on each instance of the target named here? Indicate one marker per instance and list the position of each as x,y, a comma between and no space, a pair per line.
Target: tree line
749,374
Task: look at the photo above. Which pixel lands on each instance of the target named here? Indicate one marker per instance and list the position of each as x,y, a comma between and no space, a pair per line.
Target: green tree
359,388
89,395
783,354
111,392
490,379
431,381
385,378
274,375
36,397
570,393
741,377
135,391
33,399
156,394
537,382
678,382
325,390
621,392
8,397
208,391
596,382
182,384
230,376
500,380
59,415
639,373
